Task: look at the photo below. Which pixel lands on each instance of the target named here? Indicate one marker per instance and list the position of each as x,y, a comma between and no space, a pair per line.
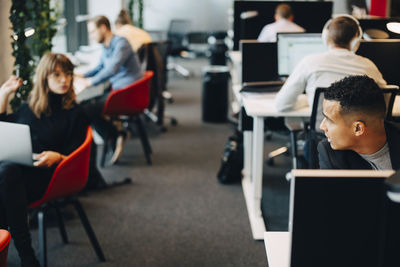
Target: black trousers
94,109
19,186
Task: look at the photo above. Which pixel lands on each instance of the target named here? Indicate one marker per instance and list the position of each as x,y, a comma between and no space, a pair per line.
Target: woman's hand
47,159
11,85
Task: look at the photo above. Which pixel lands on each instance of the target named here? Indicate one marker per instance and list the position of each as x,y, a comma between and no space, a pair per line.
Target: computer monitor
386,56
337,217
251,16
259,61
292,47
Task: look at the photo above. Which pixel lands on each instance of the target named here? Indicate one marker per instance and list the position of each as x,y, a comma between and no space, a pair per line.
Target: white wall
205,15
6,59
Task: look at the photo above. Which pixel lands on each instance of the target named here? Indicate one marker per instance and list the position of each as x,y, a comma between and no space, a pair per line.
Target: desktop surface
292,47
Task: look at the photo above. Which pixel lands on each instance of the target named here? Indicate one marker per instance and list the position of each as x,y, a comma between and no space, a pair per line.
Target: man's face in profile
95,34
337,127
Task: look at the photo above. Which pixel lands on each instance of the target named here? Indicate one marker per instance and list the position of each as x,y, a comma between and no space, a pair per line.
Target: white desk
277,246
259,106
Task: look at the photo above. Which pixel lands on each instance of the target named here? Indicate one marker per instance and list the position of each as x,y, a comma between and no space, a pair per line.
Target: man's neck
372,144
107,39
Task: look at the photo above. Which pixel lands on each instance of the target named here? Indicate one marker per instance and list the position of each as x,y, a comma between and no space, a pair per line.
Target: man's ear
359,128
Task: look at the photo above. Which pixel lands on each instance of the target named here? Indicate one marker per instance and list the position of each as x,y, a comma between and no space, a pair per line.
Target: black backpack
232,160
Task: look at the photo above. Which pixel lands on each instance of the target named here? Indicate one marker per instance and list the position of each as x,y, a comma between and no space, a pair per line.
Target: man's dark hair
342,30
358,94
101,20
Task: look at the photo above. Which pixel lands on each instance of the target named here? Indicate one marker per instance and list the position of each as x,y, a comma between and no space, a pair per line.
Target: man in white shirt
320,70
283,23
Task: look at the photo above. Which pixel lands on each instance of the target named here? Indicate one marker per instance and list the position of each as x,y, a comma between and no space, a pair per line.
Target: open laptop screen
259,61
292,47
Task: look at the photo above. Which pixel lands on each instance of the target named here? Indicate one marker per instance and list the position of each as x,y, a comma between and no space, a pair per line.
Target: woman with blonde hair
57,125
125,28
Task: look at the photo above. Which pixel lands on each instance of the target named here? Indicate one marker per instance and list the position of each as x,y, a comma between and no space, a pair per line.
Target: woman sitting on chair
57,125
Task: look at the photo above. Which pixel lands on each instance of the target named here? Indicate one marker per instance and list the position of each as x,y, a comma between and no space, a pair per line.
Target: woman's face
59,81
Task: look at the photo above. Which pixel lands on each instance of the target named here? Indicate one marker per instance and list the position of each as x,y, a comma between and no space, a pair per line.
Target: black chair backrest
392,92
314,135
153,57
178,33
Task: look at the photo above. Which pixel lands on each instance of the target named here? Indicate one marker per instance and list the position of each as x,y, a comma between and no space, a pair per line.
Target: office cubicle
251,16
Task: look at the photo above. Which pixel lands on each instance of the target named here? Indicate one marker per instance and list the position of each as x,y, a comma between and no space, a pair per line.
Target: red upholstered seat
4,243
69,178
126,105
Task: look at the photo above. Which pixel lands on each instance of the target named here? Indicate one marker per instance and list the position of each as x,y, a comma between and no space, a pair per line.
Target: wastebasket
217,48
215,93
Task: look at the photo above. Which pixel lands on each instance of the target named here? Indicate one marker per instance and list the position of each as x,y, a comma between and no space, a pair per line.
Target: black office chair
153,56
178,35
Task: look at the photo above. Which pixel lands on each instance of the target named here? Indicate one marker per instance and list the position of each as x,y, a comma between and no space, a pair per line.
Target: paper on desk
79,85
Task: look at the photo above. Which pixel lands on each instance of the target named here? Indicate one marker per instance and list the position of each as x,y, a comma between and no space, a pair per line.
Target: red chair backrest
71,174
130,100
4,242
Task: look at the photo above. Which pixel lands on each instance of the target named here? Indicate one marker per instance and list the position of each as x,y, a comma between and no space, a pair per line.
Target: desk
277,246
90,92
259,106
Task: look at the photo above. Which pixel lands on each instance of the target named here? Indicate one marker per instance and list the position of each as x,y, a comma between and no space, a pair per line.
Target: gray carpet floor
174,213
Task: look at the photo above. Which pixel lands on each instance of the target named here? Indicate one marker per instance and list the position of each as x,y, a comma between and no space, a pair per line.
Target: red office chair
126,105
69,178
4,242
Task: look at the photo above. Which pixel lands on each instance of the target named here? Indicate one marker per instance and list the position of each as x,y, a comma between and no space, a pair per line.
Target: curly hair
357,94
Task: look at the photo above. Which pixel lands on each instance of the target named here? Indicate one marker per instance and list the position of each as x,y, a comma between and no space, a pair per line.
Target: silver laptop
15,143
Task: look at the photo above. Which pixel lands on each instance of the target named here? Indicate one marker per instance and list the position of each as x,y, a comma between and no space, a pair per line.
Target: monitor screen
337,217
259,61
292,47
251,16
386,56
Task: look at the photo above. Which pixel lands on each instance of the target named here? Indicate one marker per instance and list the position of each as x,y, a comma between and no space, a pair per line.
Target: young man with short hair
354,123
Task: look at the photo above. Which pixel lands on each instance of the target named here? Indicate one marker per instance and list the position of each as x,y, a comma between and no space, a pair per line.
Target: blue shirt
118,63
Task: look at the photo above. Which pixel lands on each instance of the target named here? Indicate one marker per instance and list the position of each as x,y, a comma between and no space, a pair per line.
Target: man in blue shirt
119,65
118,62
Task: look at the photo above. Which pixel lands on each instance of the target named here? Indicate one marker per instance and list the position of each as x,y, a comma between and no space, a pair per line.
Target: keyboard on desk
262,87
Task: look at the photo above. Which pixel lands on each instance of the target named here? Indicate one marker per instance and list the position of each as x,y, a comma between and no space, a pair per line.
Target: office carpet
174,213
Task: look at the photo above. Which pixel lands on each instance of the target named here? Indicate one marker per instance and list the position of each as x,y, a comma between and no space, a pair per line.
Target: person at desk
283,23
357,135
58,127
342,36
118,64
135,36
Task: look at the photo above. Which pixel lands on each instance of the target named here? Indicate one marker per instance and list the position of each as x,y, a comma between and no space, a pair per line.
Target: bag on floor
232,160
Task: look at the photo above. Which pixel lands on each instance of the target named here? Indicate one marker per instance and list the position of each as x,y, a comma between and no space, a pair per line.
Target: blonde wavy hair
39,97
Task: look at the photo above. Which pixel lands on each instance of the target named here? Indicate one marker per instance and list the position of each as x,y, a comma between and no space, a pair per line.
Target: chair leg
61,225
144,139
89,229
103,155
42,238
293,143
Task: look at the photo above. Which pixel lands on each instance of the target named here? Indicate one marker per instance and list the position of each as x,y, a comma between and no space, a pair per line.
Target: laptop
259,67
15,143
